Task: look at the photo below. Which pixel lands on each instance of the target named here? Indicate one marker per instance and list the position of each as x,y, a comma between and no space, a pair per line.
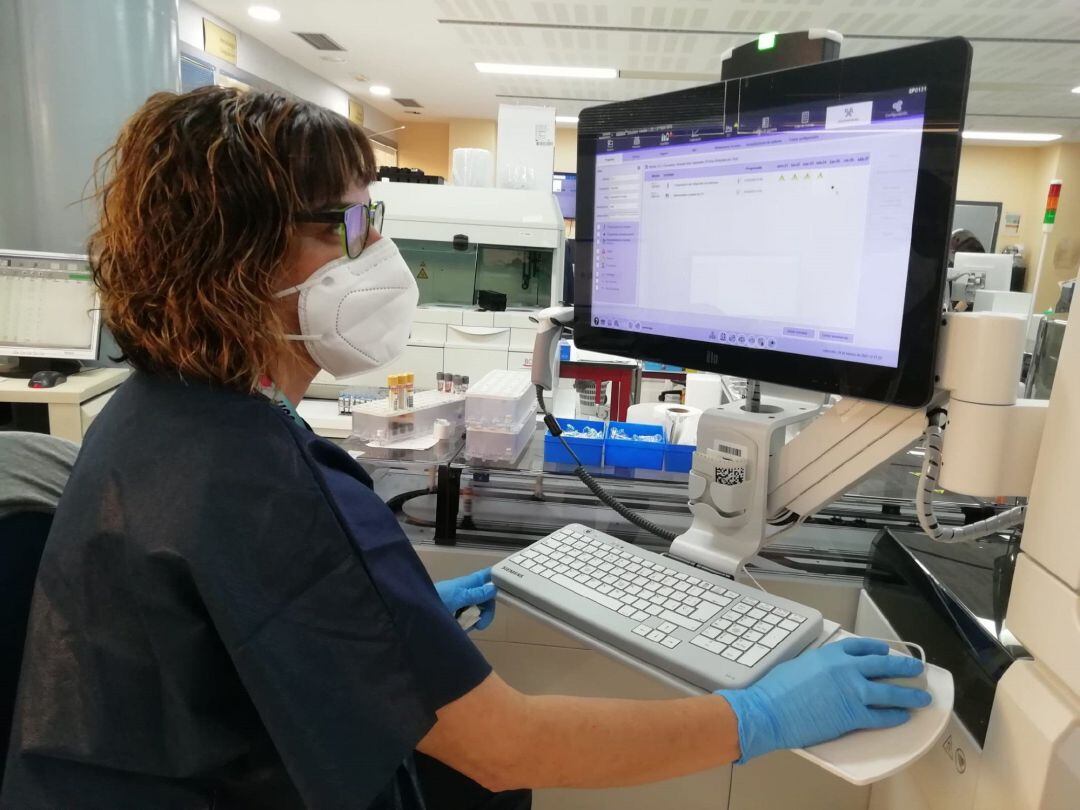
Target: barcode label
731,451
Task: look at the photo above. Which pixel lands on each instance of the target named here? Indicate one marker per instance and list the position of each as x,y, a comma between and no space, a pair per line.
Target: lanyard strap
269,389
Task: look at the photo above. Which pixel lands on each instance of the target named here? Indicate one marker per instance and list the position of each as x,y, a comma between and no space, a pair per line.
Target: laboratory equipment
460,240
709,631
564,186
500,416
811,280
50,316
384,421
972,272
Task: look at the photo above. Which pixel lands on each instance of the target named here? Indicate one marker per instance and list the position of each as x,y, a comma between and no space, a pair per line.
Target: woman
226,615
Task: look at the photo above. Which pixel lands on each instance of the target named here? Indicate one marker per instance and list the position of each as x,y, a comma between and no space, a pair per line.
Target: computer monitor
790,227
49,311
565,188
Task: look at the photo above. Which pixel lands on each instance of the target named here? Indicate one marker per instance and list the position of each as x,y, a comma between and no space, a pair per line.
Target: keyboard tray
860,758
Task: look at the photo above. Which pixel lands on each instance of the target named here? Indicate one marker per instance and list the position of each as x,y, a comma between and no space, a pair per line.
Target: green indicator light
78,276
766,41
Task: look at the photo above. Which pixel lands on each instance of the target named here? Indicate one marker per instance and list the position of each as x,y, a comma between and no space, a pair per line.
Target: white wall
262,61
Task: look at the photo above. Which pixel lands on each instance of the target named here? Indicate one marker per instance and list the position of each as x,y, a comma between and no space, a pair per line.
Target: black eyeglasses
354,223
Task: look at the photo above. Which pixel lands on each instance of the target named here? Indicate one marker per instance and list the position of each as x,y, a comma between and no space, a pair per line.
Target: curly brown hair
198,204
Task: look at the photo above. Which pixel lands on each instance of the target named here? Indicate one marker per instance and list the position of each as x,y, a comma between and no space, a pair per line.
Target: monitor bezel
944,67
52,352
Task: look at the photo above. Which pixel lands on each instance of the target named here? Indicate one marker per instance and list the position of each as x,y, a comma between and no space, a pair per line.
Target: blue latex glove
472,589
824,694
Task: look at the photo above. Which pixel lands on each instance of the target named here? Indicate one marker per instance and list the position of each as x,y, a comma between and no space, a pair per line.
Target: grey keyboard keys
682,621
704,611
742,644
642,630
670,642
655,635
753,655
731,654
581,590
667,627
774,637
627,610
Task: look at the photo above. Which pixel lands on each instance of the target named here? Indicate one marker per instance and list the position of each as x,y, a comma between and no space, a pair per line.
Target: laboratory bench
858,562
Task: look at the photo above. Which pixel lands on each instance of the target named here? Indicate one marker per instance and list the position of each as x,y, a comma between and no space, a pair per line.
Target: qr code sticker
730,476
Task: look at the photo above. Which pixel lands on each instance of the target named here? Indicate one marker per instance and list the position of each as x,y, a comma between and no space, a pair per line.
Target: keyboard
696,625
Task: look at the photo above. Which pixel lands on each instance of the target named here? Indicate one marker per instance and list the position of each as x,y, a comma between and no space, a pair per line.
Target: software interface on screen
565,188
789,231
49,307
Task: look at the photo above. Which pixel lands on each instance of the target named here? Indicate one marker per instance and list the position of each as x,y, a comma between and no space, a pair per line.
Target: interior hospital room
492,405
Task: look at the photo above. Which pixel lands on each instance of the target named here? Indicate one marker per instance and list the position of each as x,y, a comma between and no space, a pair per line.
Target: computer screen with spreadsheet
788,226
48,306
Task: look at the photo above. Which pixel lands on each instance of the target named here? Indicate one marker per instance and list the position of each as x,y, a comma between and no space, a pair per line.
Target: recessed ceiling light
264,13
333,57
1076,90
1031,137
566,119
380,90
560,71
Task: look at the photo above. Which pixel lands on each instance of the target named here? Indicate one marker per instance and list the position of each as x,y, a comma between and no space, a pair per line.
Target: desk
66,400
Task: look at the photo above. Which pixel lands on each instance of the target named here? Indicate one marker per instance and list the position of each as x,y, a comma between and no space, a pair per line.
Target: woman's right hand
824,694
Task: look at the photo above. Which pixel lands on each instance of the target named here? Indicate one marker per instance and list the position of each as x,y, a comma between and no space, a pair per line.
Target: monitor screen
565,188
48,306
777,236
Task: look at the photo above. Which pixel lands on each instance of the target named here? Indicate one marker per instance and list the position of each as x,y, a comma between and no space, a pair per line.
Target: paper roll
679,421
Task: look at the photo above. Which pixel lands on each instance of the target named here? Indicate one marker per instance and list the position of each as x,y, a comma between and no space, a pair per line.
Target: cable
594,486
399,500
924,507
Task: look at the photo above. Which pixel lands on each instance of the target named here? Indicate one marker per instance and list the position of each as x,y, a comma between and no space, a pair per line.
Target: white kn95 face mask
356,314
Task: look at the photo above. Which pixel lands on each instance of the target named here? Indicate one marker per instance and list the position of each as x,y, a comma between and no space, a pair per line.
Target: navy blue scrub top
226,615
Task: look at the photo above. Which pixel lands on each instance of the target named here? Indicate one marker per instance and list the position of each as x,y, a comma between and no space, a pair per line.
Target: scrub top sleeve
444,661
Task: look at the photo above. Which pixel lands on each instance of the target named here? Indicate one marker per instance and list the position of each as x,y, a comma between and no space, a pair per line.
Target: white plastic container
376,421
500,400
500,444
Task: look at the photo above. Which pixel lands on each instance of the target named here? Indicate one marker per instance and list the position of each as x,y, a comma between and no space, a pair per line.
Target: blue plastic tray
590,451
628,453
679,457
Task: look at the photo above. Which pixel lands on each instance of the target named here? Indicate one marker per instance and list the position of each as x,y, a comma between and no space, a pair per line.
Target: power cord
924,507
594,486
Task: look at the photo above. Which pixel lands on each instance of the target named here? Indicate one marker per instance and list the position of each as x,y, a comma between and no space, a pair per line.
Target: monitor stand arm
749,483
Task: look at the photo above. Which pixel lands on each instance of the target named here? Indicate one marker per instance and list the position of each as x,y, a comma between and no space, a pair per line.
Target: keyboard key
742,644
671,642
746,621
762,627
788,624
684,610
666,591
753,655
742,607
736,630
750,601
588,569
617,594
766,607
694,581
654,610
701,641
667,627
682,621
756,614
671,604
678,597
725,638
704,611
581,590
670,581
692,601
627,599
772,618
656,635
721,624
795,617
731,594
774,637
751,635
604,588
731,615
731,654
528,565
711,632
582,578
641,582
682,587
634,590
695,591
640,616
627,610
720,601
652,586
641,604
679,575
641,630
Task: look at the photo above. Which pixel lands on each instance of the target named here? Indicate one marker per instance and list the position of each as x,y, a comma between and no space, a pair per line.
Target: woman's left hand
472,589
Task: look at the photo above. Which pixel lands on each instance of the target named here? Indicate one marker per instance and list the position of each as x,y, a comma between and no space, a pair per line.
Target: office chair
22,539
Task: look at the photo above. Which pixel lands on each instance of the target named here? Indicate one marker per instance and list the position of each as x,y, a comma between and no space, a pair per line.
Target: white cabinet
474,362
